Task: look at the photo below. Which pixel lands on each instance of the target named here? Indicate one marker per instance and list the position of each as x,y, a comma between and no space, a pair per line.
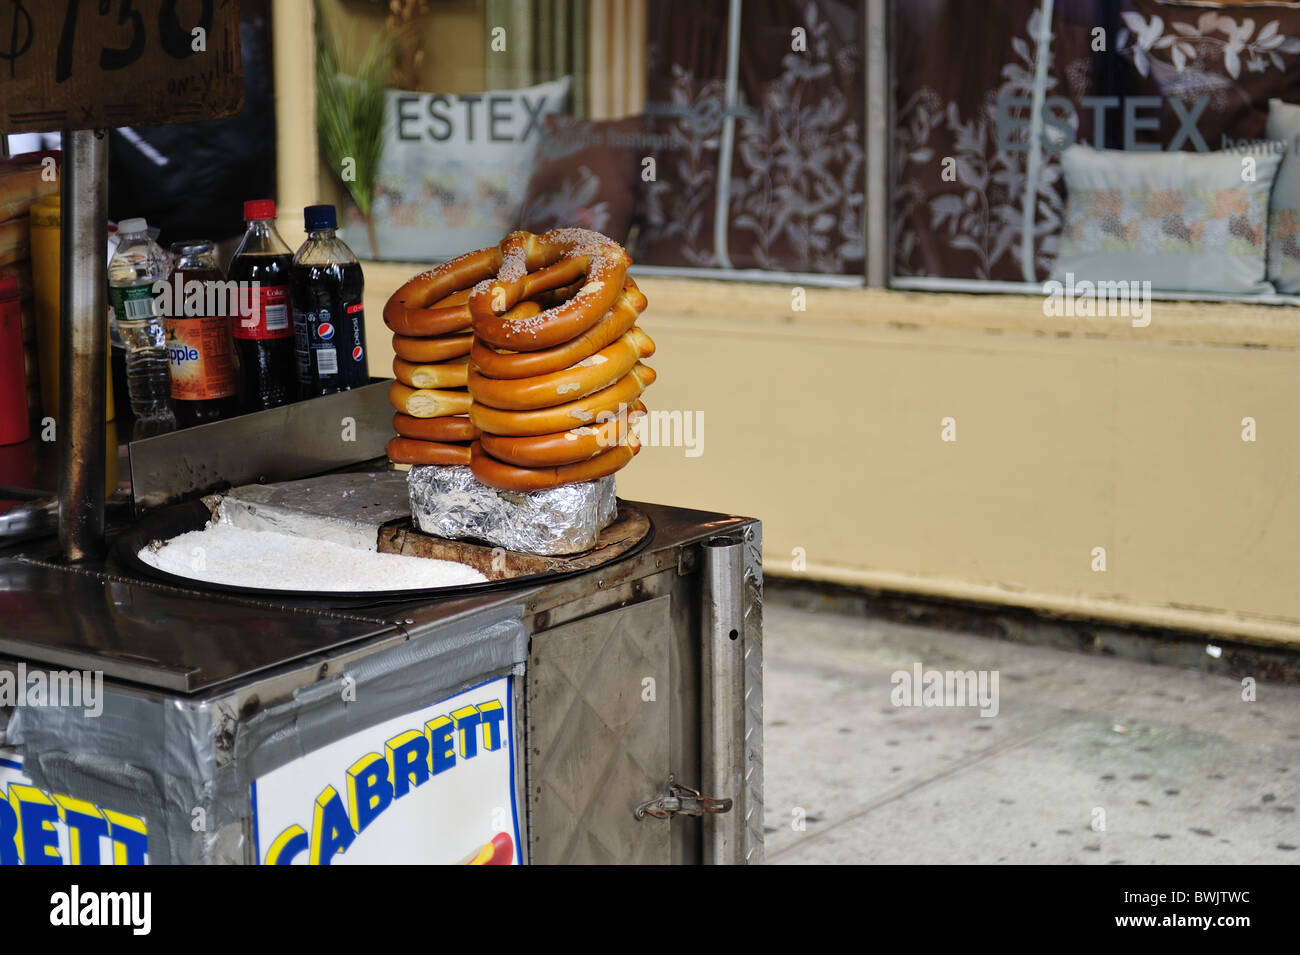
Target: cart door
599,722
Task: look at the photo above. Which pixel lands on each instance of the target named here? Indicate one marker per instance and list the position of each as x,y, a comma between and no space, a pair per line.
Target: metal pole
877,131
723,682
83,337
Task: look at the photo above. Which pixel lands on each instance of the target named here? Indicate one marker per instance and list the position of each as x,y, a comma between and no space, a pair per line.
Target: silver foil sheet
450,502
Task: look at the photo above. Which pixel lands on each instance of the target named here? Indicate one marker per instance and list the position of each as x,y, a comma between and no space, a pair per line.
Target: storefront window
1143,140
710,136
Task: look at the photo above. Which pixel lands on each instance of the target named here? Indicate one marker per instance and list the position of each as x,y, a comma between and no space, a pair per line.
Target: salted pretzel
531,264
562,417
447,374
412,451
423,351
430,304
495,363
565,447
427,402
577,381
446,429
506,477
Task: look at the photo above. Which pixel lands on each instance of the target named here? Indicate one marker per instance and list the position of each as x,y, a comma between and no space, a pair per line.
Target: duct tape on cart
436,785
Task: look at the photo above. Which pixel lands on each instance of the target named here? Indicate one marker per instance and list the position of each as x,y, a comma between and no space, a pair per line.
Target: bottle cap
130,226
320,217
192,247
259,209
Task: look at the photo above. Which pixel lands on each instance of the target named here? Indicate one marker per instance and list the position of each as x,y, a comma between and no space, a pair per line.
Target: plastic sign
44,828
83,64
433,786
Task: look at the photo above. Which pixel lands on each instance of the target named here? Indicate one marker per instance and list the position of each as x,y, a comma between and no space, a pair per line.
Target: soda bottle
264,344
132,272
199,347
328,320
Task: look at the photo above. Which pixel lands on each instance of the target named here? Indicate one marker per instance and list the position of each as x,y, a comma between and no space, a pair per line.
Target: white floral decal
986,217
1143,39
573,204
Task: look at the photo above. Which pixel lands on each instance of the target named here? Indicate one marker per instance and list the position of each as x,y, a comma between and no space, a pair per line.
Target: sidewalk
1090,759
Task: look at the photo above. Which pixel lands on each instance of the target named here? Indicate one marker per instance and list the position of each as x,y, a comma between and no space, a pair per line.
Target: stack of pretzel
431,347
553,372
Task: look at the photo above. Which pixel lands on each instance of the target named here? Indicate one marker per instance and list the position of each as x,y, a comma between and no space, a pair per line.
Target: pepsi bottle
326,284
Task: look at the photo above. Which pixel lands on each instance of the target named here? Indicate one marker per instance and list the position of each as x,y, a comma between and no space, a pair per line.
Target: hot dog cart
606,715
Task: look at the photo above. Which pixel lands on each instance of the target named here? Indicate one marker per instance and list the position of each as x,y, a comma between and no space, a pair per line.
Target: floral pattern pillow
1185,222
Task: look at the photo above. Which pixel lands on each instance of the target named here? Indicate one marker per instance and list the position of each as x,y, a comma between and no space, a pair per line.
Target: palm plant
350,118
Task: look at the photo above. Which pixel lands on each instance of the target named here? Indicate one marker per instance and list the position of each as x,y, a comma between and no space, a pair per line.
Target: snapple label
198,354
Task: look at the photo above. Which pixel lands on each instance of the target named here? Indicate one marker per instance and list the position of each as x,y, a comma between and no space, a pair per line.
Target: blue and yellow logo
29,833
376,780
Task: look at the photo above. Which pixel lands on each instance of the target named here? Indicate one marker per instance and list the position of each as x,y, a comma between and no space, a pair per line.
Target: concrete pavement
1090,759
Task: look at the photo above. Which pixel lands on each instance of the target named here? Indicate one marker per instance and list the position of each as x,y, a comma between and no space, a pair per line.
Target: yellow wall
1071,434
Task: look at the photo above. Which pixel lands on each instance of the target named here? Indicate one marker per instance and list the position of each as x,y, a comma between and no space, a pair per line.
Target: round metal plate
630,532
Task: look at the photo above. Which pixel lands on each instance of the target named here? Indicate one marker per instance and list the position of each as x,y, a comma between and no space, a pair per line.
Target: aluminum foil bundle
450,502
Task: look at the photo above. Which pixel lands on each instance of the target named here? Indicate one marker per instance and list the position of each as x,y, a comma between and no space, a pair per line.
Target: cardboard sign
432,786
84,64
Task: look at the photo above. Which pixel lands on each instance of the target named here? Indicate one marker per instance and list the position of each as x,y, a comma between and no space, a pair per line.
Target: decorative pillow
1284,210
587,175
1186,222
453,171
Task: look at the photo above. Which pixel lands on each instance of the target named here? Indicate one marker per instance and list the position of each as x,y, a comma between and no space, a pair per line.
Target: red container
13,371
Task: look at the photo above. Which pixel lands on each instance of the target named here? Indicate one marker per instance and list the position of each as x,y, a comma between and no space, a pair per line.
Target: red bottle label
269,317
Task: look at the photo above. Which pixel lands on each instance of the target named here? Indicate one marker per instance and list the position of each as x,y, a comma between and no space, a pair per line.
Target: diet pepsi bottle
325,285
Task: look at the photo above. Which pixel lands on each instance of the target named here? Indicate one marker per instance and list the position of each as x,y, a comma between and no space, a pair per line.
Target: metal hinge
681,801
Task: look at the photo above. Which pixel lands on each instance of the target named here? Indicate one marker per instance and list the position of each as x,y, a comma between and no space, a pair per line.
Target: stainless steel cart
633,694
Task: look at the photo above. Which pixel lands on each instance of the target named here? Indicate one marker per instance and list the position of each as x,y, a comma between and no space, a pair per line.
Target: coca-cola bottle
263,330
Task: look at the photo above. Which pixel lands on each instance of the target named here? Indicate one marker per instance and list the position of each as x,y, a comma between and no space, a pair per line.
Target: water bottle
138,263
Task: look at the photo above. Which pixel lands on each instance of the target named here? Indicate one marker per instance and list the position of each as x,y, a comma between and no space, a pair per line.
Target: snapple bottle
328,319
200,354
263,330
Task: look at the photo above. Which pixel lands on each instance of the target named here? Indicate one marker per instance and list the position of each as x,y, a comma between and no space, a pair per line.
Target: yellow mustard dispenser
46,218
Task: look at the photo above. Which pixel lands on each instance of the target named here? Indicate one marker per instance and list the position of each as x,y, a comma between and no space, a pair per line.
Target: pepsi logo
357,353
325,331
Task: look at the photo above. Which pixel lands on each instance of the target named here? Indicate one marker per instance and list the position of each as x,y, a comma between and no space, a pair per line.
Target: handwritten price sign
82,64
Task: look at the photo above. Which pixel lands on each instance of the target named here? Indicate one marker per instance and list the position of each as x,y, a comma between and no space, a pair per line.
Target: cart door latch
681,800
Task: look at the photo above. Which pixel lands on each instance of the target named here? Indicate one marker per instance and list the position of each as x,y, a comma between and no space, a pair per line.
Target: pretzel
505,477
423,351
567,447
561,417
589,375
427,402
449,374
558,257
449,428
420,308
410,451
616,322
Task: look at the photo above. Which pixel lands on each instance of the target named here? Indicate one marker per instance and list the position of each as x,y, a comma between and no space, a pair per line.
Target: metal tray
632,525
